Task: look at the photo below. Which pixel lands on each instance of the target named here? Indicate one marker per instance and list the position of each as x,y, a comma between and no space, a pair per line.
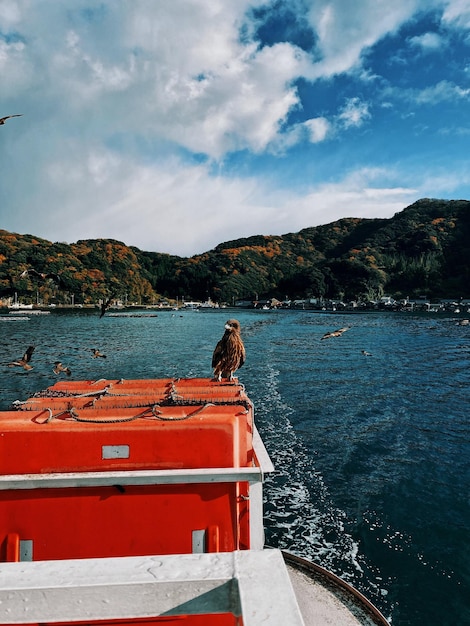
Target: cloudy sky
175,125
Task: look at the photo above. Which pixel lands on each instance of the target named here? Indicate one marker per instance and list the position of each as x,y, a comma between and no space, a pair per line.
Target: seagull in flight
25,359
58,368
7,117
335,333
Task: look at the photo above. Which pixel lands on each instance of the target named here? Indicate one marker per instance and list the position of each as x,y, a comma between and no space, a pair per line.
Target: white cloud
457,12
346,29
181,209
444,90
354,113
361,193
10,14
319,128
427,41
120,99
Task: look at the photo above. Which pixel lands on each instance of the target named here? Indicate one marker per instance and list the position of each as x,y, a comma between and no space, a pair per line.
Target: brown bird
58,368
106,304
97,353
25,359
229,354
335,333
7,117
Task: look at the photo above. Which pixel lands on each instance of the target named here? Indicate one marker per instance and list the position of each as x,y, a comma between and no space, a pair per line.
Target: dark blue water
372,453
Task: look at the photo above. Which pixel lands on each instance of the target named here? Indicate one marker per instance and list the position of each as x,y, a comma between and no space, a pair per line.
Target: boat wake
300,516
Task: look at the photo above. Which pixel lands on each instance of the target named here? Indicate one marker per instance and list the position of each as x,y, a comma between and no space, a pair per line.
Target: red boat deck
140,502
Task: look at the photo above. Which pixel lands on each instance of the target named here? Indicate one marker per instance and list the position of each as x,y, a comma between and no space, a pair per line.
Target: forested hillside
424,249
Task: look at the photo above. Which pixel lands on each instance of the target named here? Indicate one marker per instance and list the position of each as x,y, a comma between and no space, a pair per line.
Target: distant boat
17,305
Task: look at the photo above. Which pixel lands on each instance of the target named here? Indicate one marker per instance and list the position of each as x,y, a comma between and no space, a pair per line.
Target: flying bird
335,333
7,117
106,304
25,359
97,354
31,272
58,368
229,354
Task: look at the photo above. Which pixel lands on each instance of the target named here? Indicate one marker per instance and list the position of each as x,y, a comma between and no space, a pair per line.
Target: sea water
372,451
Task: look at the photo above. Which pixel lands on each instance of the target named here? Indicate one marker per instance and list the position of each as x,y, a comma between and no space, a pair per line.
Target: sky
176,125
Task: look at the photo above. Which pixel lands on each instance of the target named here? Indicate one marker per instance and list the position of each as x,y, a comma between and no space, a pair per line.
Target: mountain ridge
422,249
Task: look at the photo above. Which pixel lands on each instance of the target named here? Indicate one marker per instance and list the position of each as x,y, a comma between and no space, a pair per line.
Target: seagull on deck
335,333
229,354
25,359
58,368
97,354
7,117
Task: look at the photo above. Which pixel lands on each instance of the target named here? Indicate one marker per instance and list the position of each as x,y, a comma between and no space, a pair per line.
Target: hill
424,249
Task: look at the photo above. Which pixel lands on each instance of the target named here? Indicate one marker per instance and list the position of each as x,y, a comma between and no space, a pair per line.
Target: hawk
106,304
335,333
25,359
58,368
7,117
97,354
229,353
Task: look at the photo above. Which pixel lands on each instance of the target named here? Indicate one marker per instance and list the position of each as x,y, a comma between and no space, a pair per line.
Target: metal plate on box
199,541
26,550
115,452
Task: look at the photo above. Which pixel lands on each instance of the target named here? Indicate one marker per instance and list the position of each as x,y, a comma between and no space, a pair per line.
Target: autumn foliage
424,249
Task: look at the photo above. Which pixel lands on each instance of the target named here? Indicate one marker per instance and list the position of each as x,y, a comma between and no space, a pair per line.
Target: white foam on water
299,514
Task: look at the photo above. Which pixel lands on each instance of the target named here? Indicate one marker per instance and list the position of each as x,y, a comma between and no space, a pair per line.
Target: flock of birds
58,368
228,356
44,276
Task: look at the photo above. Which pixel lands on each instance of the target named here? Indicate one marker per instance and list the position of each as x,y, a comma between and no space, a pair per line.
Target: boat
141,501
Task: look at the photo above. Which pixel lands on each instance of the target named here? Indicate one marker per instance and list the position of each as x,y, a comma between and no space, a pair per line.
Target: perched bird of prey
58,368
7,117
229,354
25,359
106,304
98,354
42,275
335,333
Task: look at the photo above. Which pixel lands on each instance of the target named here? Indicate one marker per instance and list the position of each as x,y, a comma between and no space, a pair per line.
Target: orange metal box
112,439
193,424
116,520
182,438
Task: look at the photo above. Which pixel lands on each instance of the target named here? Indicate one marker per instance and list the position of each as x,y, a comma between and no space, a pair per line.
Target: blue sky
177,125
